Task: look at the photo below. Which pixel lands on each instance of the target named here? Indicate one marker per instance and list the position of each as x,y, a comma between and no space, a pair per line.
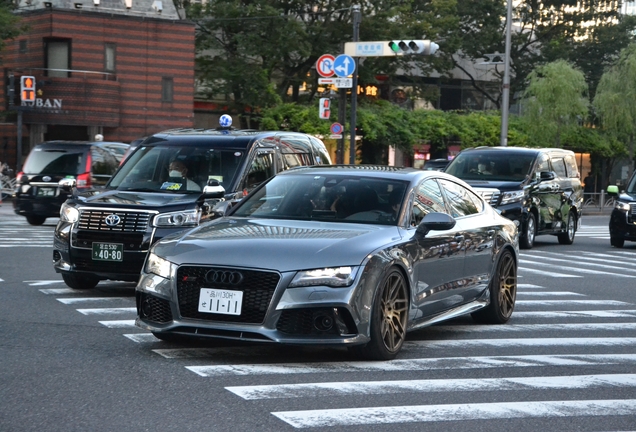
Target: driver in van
178,169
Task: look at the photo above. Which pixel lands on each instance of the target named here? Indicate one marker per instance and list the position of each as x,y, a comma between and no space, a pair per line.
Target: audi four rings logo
224,277
112,220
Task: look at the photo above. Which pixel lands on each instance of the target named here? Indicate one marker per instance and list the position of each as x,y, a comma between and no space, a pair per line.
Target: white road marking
142,337
360,388
570,302
456,412
577,269
418,364
43,282
526,286
58,291
546,273
523,342
549,293
118,323
570,314
586,261
70,300
530,327
106,311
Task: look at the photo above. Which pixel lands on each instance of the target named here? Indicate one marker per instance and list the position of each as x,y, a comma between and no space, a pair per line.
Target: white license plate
220,301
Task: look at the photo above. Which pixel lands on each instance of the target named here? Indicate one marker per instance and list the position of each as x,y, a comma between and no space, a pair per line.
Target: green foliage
554,101
10,26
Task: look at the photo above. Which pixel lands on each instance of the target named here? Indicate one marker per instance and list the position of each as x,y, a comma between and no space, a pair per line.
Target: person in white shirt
179,169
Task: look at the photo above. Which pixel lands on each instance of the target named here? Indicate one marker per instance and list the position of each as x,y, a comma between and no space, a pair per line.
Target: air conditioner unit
157,6
128,4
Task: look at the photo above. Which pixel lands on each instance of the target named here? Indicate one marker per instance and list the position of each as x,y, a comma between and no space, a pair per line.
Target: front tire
503,292
617,242
80,282
567,237
388,319
35,220
530,230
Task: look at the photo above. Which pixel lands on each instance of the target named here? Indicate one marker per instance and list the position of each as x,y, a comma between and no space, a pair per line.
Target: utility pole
354,86
505,95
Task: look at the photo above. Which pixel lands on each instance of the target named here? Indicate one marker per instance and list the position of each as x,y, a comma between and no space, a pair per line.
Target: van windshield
491,166
54,162
181,169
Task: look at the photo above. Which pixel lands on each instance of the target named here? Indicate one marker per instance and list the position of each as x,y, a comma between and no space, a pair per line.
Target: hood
136,199
501,185
626,197
277,245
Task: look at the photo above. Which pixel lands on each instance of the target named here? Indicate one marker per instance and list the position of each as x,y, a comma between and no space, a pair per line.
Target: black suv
171,181
38,192
540,189
622,225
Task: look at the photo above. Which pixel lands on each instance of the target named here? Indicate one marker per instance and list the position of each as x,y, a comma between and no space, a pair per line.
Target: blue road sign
344,65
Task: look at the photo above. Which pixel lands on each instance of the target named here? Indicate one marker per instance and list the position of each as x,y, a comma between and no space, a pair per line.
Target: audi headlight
68,213
159,266
623,206
178,219
333,277
512,196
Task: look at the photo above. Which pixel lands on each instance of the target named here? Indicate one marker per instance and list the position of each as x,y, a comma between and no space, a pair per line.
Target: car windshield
164,168
331,198
491,166
631,188
53,162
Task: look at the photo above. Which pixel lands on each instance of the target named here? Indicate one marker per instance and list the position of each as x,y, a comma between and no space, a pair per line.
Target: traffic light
403,47
27,89
325,108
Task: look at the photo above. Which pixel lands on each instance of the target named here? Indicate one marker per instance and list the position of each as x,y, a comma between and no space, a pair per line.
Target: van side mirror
612,190
546,175
435,222
213,189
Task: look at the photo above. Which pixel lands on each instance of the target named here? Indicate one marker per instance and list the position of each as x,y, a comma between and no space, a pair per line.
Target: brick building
120,68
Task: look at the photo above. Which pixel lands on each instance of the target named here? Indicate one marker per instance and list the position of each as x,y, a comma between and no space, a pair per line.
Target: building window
22,46
166,89
58,57
109,57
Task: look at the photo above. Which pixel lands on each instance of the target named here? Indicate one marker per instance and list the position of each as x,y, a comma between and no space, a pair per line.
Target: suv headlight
157,265
333,277
513,196
623,206
178,219
68,213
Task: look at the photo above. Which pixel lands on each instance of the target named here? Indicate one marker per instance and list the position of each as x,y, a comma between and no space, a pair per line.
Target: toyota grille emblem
46,178
112,220
224,277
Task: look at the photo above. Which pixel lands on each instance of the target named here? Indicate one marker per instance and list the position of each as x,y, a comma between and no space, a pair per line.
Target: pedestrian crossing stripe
456,412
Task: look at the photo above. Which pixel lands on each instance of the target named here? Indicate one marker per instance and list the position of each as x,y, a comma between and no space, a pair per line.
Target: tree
251,53
10,26
615,100
543,32
555,99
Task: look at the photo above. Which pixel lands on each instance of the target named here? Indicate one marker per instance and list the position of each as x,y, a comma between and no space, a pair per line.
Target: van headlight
178,219
159,266
512,196
333,277
68,213
622,206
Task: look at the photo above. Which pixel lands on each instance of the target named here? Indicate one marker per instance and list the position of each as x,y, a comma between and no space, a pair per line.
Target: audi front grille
257,286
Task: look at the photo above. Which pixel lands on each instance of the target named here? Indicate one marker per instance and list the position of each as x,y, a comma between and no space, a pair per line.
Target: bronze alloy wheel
388,319
503,292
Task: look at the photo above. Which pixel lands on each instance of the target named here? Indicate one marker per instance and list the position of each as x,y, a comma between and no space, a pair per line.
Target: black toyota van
171,181
539,188
622,224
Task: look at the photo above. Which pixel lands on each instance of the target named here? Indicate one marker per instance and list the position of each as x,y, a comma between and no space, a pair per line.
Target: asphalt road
73,361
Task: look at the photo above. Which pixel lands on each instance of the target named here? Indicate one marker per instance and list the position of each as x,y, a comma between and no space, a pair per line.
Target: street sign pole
342,119
354,89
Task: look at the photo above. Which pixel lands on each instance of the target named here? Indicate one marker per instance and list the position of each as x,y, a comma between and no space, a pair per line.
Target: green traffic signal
394,47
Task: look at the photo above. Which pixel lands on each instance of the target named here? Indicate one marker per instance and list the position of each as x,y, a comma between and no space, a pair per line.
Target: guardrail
598,202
